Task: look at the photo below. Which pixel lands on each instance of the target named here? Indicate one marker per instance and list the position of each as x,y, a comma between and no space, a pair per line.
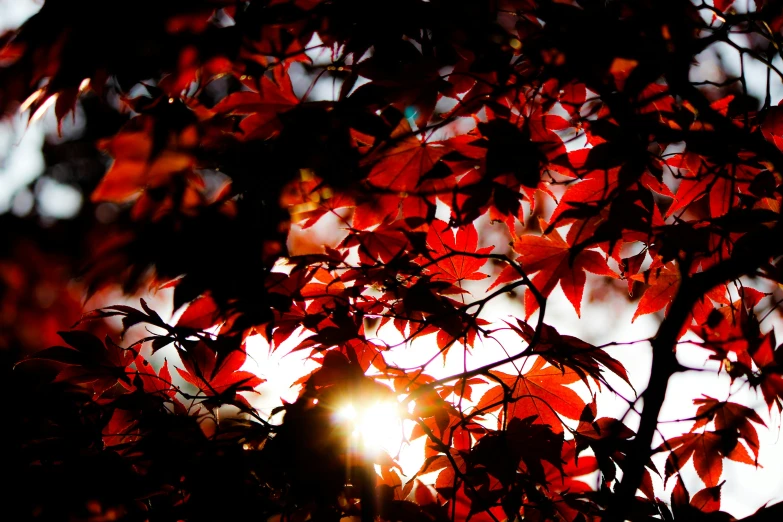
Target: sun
373,426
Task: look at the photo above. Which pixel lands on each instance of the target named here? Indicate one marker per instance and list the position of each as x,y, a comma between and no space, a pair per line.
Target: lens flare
347,413
376,425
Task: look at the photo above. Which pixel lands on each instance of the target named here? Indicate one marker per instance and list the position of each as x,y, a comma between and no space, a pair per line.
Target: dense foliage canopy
362,181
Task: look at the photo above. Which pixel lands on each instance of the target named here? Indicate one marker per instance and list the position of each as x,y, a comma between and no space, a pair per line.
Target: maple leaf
155,383
449,266
708,499
664,282
260,107
122,429
630,266
383,243
569,351
138,165
769,361
564,481
607,213
225,379
607,438
733,328
554,262
381,208
88,361
708,450
400,166
540,392
705,501
594,189
436,413
201,313
705,179
729,416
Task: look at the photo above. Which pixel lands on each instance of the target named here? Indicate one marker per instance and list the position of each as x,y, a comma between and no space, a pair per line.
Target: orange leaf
541,392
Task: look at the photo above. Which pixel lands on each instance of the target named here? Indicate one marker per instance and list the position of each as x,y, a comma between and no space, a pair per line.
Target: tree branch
751,252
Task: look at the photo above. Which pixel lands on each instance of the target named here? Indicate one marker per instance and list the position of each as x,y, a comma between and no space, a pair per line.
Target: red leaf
551,257
121,429
262,107
680,495
450,267
700,179
540,392
708,450
379,245
766,357
594,188
729,416
664,282
156,383
704,448
201,371
572,352
400,166
707,500
137,165
202,313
